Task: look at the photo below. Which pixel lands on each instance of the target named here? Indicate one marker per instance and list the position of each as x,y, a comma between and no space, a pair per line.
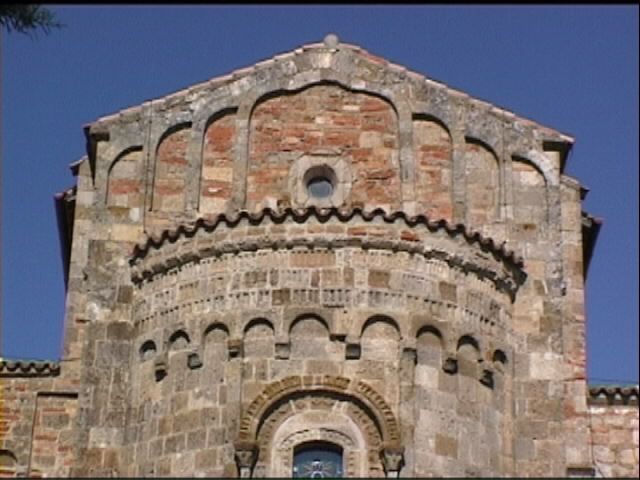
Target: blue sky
570,68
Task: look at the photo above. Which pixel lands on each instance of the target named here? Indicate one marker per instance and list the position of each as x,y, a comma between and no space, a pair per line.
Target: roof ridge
248,69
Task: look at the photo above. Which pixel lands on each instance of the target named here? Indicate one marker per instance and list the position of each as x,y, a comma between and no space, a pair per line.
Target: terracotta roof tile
613,395
29,368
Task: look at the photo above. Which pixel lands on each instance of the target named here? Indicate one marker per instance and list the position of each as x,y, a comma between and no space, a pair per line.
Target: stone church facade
323,264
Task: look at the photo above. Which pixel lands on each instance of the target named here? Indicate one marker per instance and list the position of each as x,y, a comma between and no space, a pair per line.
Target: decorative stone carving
161,367
193,361
503,270
392,459
283,351
353,351
356,392
235,348
450,366
246,455
487,378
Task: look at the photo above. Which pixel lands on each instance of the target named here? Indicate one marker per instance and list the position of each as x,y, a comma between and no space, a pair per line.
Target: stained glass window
317,460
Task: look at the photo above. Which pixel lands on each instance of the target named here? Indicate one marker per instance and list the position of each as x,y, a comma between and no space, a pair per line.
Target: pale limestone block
545,365
127,233
371,140
218,173
105,437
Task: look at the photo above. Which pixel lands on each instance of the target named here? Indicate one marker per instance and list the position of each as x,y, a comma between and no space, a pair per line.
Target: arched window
317,460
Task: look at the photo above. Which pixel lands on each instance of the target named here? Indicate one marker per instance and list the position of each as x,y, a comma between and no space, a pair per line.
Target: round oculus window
320,187
320,182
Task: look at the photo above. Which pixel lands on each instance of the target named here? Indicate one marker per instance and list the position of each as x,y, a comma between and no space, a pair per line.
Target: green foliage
24,18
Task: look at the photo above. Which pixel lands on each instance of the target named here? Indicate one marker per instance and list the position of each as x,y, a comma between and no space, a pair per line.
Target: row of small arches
379,336
173,169
313,323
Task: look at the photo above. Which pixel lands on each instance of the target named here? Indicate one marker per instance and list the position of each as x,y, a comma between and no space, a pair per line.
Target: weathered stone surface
314,249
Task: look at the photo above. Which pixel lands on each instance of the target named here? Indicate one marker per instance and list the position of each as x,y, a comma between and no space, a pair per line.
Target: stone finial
331,40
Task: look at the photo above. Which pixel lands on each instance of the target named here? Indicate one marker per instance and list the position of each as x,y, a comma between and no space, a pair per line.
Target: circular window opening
320,181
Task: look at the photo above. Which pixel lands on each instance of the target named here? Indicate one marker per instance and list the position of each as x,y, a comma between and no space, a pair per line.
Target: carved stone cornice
300,215
410,236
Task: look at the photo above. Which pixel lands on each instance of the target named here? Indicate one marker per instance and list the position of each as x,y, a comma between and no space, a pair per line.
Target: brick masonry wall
324,119
126,186
482,185
37,418
433,153
170,176
614,436
217,163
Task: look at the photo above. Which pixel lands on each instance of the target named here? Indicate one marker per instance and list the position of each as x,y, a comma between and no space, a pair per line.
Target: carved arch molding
345,411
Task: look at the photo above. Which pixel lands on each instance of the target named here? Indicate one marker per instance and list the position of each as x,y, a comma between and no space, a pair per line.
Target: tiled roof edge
613,395
29,368
302,214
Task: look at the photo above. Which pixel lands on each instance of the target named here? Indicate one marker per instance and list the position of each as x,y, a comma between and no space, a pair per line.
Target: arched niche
428,368
179,340
433,152
309,337
429,346
324,118
380,339
530,198
259,340
125,181
217,161
147,350
171,170
8,461
468,355
482,183
215,352
177,346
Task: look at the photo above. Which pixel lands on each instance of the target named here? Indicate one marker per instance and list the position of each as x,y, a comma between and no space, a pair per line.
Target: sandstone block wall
425,316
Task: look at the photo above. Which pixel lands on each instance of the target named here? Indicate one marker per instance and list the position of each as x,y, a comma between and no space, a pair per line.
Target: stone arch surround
295,434
365,420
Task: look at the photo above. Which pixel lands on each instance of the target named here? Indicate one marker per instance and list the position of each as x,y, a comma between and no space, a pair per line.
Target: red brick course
358,126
